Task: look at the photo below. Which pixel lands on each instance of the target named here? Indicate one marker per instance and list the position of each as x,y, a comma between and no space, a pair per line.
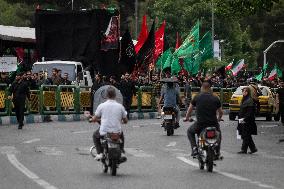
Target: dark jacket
20,90
247,111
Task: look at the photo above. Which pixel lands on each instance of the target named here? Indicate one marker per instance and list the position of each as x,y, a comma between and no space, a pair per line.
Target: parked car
267,102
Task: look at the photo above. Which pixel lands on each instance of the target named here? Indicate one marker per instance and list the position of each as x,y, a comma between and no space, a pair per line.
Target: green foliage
245,27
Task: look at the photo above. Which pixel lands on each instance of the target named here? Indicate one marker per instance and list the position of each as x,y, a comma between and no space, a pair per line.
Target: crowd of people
35,80
217,80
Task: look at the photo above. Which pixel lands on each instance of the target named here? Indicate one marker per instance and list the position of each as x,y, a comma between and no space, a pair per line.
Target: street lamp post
72,4
268,48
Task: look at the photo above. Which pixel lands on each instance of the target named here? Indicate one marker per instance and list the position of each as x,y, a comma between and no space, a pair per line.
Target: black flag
221,71
127,52
145,55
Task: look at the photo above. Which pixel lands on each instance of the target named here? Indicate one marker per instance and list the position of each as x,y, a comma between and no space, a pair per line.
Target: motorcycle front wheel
201,164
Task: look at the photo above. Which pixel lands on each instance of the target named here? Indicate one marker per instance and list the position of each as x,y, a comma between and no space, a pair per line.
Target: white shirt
111,113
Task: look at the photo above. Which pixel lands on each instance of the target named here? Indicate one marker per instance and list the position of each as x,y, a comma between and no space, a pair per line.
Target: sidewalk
34,118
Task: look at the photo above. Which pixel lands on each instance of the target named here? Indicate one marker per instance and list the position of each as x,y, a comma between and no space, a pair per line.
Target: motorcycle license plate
168,116
113,145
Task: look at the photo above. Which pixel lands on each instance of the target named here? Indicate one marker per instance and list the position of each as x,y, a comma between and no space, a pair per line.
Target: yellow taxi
267,100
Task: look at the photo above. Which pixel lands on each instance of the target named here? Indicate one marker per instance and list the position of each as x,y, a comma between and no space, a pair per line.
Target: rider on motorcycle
110,114
170,96
206,106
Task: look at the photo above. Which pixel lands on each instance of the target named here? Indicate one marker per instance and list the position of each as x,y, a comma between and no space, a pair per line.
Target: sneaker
242,152
20,126
194,152
253,151
99,157
158,117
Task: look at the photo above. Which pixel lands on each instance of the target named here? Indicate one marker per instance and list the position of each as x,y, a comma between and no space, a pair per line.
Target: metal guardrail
71,99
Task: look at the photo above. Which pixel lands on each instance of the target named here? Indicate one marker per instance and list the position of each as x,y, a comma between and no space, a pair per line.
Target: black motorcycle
208,144
111,144
169,120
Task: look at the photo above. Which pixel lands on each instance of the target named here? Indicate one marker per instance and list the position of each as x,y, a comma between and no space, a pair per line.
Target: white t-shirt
111,113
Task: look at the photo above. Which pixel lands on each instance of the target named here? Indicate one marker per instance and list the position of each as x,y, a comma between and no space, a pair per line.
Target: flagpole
212,17
136,19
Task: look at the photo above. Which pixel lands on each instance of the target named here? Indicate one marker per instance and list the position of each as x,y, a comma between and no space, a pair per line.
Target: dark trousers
127,101
281,112
97,141
197,129
20,110
247,143
282,116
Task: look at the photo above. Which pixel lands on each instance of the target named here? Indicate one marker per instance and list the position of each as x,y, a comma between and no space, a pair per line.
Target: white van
77,75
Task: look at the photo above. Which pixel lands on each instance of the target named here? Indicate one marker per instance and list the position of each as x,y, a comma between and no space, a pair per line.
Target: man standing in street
280,101
127,89
19,91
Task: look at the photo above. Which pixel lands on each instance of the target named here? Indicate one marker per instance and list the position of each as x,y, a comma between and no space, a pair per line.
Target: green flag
259,77
175,66
163,58
190,44
168,61
192,64
205,47
279,72
265,66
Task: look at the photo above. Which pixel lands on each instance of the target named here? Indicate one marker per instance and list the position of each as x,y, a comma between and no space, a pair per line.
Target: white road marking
31,141
48,150
171,144
230,175
81,132
138,153
269,126
14,161
8,150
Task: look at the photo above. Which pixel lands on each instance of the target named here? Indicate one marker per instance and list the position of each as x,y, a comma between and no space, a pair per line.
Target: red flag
178,42
142,36
159,40
20,53
38,7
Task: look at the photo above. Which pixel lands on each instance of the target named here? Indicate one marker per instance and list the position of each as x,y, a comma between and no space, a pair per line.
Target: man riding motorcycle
110,114
170,96
206,106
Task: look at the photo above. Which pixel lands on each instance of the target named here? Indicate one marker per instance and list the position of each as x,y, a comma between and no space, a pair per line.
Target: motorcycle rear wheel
209,162
170,131
113,167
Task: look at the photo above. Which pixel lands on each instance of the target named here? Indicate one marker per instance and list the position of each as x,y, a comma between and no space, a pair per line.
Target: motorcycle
208,144
111,152
169,120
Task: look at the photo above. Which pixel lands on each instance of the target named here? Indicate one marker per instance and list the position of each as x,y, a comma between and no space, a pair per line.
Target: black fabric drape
76,35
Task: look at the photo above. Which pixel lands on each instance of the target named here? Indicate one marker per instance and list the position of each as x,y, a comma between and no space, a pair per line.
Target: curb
11,120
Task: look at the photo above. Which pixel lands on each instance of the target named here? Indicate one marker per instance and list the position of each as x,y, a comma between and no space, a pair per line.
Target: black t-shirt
206,106
280,92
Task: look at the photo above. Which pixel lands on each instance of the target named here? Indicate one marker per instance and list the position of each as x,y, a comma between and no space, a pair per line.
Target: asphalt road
55,156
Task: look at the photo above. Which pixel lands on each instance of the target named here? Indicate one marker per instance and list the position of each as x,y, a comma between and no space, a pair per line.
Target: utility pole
269,47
